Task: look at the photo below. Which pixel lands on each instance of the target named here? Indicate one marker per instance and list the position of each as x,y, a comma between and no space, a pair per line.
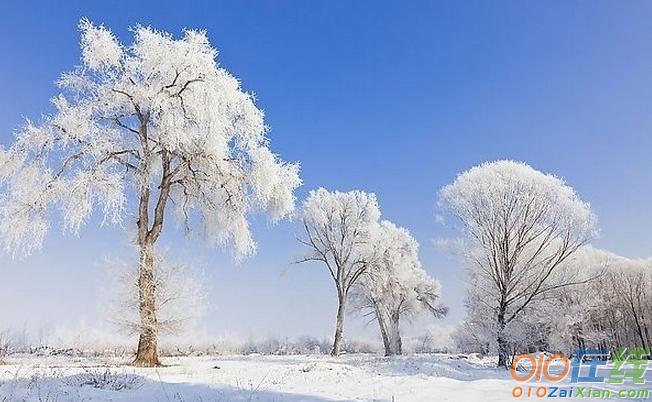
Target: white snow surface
435,377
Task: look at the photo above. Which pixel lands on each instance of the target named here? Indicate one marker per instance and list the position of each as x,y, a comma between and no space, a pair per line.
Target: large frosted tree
139,130
521,225
338,232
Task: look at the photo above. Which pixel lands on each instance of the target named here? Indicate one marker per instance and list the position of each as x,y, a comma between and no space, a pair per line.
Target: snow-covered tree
584,305
338,231
611,311
520,226
396,285
138,129
632,283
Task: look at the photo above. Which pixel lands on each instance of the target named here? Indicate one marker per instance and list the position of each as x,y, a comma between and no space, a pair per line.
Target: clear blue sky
394,98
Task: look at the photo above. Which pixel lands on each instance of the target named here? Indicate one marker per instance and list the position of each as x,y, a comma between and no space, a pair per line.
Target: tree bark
147,355
395,334
503,355
639,329
339,326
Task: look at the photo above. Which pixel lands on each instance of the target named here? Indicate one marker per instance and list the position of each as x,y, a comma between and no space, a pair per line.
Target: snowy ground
256,378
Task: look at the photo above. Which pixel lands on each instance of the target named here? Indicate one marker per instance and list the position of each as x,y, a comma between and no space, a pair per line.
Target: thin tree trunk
383,329
639,330
339,325
647,336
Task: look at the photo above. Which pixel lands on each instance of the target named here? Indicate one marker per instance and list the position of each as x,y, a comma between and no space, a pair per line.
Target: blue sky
387,97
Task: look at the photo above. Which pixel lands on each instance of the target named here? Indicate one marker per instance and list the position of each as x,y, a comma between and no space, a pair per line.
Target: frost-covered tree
613,310
584,305
138,129
632,284
610,310
338,232
520,226
396,286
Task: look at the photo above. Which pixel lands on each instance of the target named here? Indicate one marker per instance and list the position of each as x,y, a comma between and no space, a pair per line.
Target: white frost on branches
100,47
513,191
375,260
338,231
395,285
157,116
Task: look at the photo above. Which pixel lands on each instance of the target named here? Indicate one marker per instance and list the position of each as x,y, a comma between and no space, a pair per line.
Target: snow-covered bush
436,339
105,379
287,346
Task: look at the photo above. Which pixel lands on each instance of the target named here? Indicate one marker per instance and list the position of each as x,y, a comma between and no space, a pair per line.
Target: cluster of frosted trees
373,263
534,282
154,130
611,310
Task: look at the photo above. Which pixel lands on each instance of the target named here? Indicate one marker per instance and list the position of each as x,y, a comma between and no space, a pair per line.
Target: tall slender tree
138,129
338,231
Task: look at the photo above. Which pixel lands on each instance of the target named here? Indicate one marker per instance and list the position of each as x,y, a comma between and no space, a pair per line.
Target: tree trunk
395,334
339,326
639,330
147,355
647,336
503,355
383,329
